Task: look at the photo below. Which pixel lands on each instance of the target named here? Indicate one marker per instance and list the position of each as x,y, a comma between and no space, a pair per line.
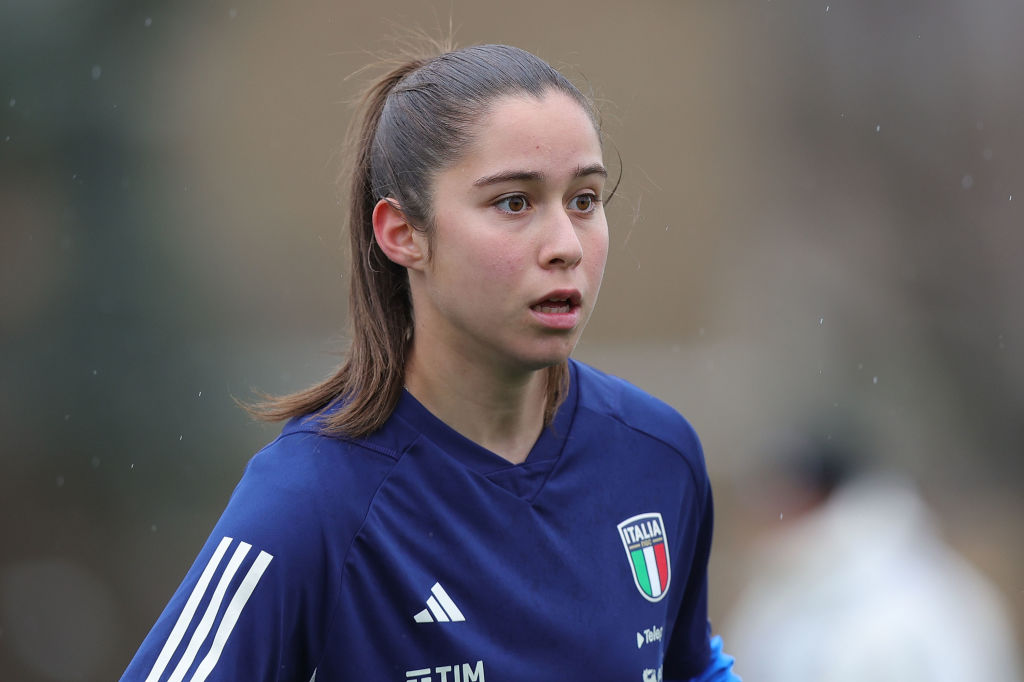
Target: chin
540,352
544,364
549,359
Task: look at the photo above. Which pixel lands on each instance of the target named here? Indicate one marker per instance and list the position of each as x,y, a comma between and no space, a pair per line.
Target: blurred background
817,240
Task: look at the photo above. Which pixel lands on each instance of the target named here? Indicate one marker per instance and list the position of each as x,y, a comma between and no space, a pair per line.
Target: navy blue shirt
416,554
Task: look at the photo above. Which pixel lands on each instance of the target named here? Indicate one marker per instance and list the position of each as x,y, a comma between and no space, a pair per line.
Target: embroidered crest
643,537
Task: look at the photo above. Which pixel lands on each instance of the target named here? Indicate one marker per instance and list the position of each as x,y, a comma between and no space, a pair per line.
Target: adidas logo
440,608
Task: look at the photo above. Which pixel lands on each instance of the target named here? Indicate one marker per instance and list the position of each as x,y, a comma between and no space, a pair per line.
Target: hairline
487,106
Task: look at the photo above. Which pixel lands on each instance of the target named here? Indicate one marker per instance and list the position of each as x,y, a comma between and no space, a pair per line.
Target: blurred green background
820,223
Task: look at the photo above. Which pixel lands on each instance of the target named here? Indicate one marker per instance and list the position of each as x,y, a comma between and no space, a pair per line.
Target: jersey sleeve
719,668
255,603
692,654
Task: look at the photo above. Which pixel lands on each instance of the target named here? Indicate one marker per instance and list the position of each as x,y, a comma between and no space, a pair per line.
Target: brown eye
585,203
513,204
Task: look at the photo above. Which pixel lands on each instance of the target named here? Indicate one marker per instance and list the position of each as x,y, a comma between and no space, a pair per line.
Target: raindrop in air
148,22
826,9
878,128
232,13
97,71
60,481
874,380
967,182
13,102
821,321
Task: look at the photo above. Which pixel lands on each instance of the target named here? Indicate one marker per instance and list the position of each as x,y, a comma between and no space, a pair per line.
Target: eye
515,203
584,203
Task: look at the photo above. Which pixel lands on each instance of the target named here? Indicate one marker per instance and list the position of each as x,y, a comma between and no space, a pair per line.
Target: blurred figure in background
853,583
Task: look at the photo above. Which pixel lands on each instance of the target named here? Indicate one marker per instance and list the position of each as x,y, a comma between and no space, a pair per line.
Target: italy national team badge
643,537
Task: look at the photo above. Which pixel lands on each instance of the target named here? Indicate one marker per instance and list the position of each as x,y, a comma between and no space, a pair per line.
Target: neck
503,413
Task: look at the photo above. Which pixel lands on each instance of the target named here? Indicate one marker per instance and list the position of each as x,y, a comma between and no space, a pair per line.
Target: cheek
487,271
500,261
596,252
502,268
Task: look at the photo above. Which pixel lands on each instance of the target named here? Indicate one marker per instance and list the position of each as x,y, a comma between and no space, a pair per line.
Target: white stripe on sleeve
234,609
174,639
203,629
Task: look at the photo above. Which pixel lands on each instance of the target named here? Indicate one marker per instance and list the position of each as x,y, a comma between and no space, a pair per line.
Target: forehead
529,132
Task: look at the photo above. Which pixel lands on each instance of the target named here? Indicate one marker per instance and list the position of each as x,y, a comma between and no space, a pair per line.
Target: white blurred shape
865,590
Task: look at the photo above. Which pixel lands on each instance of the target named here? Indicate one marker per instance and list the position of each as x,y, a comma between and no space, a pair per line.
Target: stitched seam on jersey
561,451
348,551
307,426
379,449
366,445
689,465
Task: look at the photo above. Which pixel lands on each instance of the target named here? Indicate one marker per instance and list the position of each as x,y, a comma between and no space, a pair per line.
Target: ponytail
369,382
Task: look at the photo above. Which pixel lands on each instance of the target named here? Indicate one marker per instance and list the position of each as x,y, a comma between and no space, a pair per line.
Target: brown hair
416,120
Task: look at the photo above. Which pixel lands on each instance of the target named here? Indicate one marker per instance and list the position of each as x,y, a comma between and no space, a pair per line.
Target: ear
398,239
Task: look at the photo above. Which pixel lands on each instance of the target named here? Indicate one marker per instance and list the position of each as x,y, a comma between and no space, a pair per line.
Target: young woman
461,502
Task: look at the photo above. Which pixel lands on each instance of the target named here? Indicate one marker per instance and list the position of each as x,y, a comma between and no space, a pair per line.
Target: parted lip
573,296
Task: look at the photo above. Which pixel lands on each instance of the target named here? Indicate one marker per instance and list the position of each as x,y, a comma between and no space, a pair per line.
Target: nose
561,246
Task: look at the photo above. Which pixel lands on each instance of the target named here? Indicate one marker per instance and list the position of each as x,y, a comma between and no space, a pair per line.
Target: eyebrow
537,176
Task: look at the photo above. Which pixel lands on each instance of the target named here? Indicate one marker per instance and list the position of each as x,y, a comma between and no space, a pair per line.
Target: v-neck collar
522,479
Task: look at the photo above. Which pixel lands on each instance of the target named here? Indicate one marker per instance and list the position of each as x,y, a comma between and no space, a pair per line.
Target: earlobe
397,238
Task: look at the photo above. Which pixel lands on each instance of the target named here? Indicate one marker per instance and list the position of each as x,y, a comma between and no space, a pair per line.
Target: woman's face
520,239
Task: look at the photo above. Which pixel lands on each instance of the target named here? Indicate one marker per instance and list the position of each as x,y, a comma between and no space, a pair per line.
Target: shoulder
303,482
605,396
275,558
636,409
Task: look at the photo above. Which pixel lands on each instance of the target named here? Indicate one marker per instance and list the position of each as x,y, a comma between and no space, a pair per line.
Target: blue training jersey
416,555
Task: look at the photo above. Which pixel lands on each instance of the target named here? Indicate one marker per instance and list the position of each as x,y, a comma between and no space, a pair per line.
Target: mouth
558,302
